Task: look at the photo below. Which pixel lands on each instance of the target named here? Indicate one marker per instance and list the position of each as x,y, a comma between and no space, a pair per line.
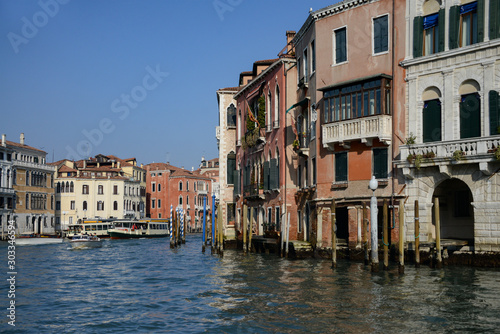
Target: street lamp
374,224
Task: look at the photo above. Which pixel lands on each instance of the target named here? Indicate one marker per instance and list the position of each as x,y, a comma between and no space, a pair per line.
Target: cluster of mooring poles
372,229
216,235
177,227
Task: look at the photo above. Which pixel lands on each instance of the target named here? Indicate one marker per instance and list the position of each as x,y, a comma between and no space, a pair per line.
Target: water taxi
80,241
98,227
144,228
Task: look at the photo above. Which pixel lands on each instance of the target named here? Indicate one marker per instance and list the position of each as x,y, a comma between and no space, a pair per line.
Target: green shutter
418,36
470,122
454,26
432,121
441,28
480,21
266,175
380,163
231,166
273,175
494,103
237,182
494,19
341,167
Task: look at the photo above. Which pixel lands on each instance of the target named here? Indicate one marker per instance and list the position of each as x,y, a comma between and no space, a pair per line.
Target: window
84,205
313,167
299,221
187,185
278,218
313,57
431,117
341,167
306,66
431,34
187,200
100,190
58,205
71,187
180,200
159,204
367,98
115,189
231,167
494,19
115,205
277,107
269,216
470,111
340,45
153,203
381,34
380,163
153,187
159,187
100,206
85,189
468,24
494,103
180,185
231,116
72,205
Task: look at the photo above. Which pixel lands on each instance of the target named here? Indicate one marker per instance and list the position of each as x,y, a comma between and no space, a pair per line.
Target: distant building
7,192
32,181
99,187
169,186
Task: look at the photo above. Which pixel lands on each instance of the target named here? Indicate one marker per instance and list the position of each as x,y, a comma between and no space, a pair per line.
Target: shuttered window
231,116
380,164
266,175
273,174
431,121
231,167
340,45
494,28
381,34
341,167
470,110
494,104
237,182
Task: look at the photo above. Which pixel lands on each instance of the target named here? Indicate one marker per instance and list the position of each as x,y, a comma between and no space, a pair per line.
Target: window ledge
340,185
383,182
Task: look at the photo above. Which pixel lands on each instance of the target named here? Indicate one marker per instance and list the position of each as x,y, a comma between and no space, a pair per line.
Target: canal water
143,286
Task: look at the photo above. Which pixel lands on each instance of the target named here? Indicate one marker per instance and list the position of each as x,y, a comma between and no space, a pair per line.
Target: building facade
452,110
169,187
33,184
7,193
100,187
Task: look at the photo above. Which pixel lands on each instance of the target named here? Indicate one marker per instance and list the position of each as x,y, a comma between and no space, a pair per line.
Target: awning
431,21
468,8
358,80
301,103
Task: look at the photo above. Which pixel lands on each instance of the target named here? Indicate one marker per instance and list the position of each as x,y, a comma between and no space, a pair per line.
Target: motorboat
36,239
85,241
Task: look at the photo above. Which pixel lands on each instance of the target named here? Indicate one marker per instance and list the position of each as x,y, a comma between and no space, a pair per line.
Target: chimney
4,138
21,139
290,34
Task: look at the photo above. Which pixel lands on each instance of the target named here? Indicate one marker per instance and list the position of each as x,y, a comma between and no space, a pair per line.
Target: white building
452,118
7,193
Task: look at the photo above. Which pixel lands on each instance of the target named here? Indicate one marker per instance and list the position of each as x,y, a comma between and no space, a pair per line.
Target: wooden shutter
380,163
431,121
470,123
454,27
266,175
494,104
442,28
237,182
231,167
273,175
341,167
418,36
480,21
494,28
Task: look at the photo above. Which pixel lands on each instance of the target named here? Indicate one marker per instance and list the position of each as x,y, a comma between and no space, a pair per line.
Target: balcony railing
217,132
7,191
252,190
364,129
34,165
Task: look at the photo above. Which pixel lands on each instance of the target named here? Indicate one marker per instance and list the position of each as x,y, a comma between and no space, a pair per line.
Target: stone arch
431,93
465,75
455,209
429,82
430,7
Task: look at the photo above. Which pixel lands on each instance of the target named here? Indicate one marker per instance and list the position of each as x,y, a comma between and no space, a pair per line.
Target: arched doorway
455,210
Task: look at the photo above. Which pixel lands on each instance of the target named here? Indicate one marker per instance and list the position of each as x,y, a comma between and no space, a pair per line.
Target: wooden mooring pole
334,235
439,263
385,230
365,234
220,229
417,236
172,231
250,230
244,223
401,237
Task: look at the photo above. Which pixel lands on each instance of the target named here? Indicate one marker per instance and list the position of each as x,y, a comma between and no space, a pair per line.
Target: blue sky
133,78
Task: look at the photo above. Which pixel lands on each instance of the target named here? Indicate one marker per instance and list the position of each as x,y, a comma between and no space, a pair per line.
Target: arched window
180,185
187,185
115,205
269,111
67,187
277,107
180,200
231,116
431,115
470,109
58,187
84,205
71,187
100,189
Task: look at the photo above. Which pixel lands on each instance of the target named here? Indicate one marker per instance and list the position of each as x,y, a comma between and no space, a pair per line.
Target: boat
145,228
95,226
85,241
36,239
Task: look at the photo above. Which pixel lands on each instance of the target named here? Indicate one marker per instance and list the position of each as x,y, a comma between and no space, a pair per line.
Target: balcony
255,139
445,153
33,165
253,191
364,129
7,191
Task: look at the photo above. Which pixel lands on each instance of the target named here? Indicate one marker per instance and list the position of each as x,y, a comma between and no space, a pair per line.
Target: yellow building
99,187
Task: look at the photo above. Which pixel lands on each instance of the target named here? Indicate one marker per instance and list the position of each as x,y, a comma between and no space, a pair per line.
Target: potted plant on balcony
458,155
296,145
497,153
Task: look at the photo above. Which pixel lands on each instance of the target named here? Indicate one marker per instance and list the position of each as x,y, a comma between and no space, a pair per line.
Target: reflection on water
144,286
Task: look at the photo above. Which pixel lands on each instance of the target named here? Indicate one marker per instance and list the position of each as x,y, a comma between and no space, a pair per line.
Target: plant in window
497,153
458,155
296,144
